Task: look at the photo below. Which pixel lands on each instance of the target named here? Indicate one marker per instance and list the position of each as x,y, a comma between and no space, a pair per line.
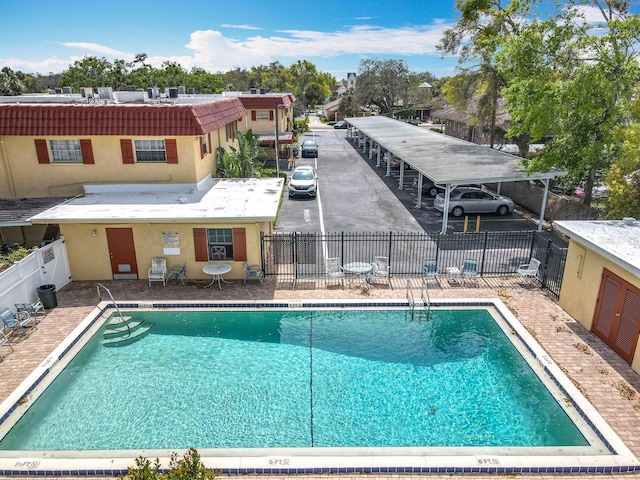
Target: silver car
474,200
303,181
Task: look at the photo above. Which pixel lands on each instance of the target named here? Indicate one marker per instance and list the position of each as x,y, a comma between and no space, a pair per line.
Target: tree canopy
384,83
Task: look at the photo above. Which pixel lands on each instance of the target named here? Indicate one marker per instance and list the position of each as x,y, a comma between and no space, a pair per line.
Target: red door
617,317
122,253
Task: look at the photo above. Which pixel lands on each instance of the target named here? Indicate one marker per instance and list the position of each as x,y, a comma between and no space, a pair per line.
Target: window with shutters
220,243
230,130
212,244
204,146
263,115
65,151
150,151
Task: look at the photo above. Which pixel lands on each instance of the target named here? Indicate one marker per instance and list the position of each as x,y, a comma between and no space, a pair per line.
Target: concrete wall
89,257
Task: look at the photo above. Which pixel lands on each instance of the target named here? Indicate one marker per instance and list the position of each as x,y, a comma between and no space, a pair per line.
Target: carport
446,161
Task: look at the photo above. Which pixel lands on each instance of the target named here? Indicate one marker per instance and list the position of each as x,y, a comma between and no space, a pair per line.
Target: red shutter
201,148
87,152
126,146
253,115
171,146
200,244
239,244
42,151
271,115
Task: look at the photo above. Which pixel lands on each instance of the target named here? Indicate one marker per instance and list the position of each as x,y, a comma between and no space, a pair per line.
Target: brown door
617,317
122,253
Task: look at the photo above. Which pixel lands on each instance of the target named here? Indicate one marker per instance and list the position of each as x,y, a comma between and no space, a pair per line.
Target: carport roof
445,159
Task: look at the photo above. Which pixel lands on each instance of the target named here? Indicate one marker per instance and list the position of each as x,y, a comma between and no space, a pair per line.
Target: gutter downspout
5,158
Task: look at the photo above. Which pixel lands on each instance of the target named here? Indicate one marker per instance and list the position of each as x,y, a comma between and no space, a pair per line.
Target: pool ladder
424,300
121,329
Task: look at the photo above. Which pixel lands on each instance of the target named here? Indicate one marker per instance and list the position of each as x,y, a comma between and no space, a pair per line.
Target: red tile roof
119,119
266,101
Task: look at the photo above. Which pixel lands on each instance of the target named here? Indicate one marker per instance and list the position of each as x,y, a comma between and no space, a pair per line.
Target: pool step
125,330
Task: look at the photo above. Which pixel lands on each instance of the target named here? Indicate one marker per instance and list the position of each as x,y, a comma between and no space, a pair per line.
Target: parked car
474,200
309,149
303,181
431,189
340,124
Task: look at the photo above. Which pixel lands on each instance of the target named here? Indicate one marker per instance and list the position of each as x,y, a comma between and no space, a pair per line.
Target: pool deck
606,380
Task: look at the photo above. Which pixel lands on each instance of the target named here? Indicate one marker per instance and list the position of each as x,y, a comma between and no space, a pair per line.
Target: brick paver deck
602,376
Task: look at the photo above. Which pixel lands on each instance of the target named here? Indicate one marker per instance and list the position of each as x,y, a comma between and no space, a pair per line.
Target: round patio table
216,270
360,270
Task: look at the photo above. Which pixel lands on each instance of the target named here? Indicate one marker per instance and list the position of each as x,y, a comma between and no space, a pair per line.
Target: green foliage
382,82
189,467
348,106
14,255
240,162
10,83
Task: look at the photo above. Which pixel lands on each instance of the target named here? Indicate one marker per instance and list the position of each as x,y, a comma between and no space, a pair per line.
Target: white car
474,200
303,181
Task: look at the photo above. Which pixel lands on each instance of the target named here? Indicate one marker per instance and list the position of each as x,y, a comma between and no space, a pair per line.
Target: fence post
484,250
548,253
390,250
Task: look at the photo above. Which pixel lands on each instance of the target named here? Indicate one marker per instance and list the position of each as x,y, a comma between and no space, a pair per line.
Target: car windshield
309,143
302,175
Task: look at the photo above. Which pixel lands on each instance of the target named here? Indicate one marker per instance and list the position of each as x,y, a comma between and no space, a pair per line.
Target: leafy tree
236,79
205,82
577,86
623,176
303,73
476,37
274,77
89,72
382,83
240,162
314,93
10,83
348,106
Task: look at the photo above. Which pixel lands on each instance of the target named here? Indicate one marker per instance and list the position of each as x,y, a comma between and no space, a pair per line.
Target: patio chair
178,272
17,322
469,268
252,271
4,341
430,266
380,270
158,271
33,309
334,271
529,271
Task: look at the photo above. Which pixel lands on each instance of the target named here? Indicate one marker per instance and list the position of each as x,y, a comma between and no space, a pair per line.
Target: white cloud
101,49
241,27
214,51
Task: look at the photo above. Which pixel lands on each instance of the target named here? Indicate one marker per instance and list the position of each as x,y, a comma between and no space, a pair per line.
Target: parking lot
356,196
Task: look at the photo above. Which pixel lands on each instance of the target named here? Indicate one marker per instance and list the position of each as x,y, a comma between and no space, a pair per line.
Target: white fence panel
45,266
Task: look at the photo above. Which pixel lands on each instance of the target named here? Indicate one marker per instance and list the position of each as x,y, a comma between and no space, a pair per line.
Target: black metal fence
303,255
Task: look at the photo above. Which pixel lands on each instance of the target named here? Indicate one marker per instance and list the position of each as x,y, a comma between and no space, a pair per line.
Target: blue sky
44,36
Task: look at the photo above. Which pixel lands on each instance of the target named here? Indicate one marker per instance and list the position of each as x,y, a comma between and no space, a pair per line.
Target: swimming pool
328,386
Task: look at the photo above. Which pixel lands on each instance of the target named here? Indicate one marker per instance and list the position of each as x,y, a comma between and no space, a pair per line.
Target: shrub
188,467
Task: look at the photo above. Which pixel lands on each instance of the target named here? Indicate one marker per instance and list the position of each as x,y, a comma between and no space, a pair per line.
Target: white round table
360,270
216,270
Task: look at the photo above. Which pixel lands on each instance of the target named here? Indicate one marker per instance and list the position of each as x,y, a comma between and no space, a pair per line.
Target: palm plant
240,162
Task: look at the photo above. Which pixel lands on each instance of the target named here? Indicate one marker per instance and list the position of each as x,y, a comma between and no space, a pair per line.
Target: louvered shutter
607,308
200,244
87,152
42,151
126,146
239,244
171,146
629,326
253,115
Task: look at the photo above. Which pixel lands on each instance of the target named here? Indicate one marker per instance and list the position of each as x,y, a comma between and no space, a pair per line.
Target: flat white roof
616,240
217,200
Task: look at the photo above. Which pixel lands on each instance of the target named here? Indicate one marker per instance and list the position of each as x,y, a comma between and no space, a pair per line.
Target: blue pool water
298,378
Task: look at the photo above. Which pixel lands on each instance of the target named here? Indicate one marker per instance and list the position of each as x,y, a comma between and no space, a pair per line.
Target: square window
150,151
220,243
65,151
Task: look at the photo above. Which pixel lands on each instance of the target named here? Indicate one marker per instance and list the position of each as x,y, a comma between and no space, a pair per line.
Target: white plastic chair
158,271
380,270
334,271
529,270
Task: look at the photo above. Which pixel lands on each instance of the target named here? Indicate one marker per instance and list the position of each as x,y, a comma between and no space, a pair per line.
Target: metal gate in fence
303,255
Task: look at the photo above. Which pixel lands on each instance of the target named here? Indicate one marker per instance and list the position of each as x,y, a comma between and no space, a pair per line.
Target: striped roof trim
119,119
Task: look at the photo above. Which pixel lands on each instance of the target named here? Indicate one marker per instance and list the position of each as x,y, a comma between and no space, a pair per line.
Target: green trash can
47,295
